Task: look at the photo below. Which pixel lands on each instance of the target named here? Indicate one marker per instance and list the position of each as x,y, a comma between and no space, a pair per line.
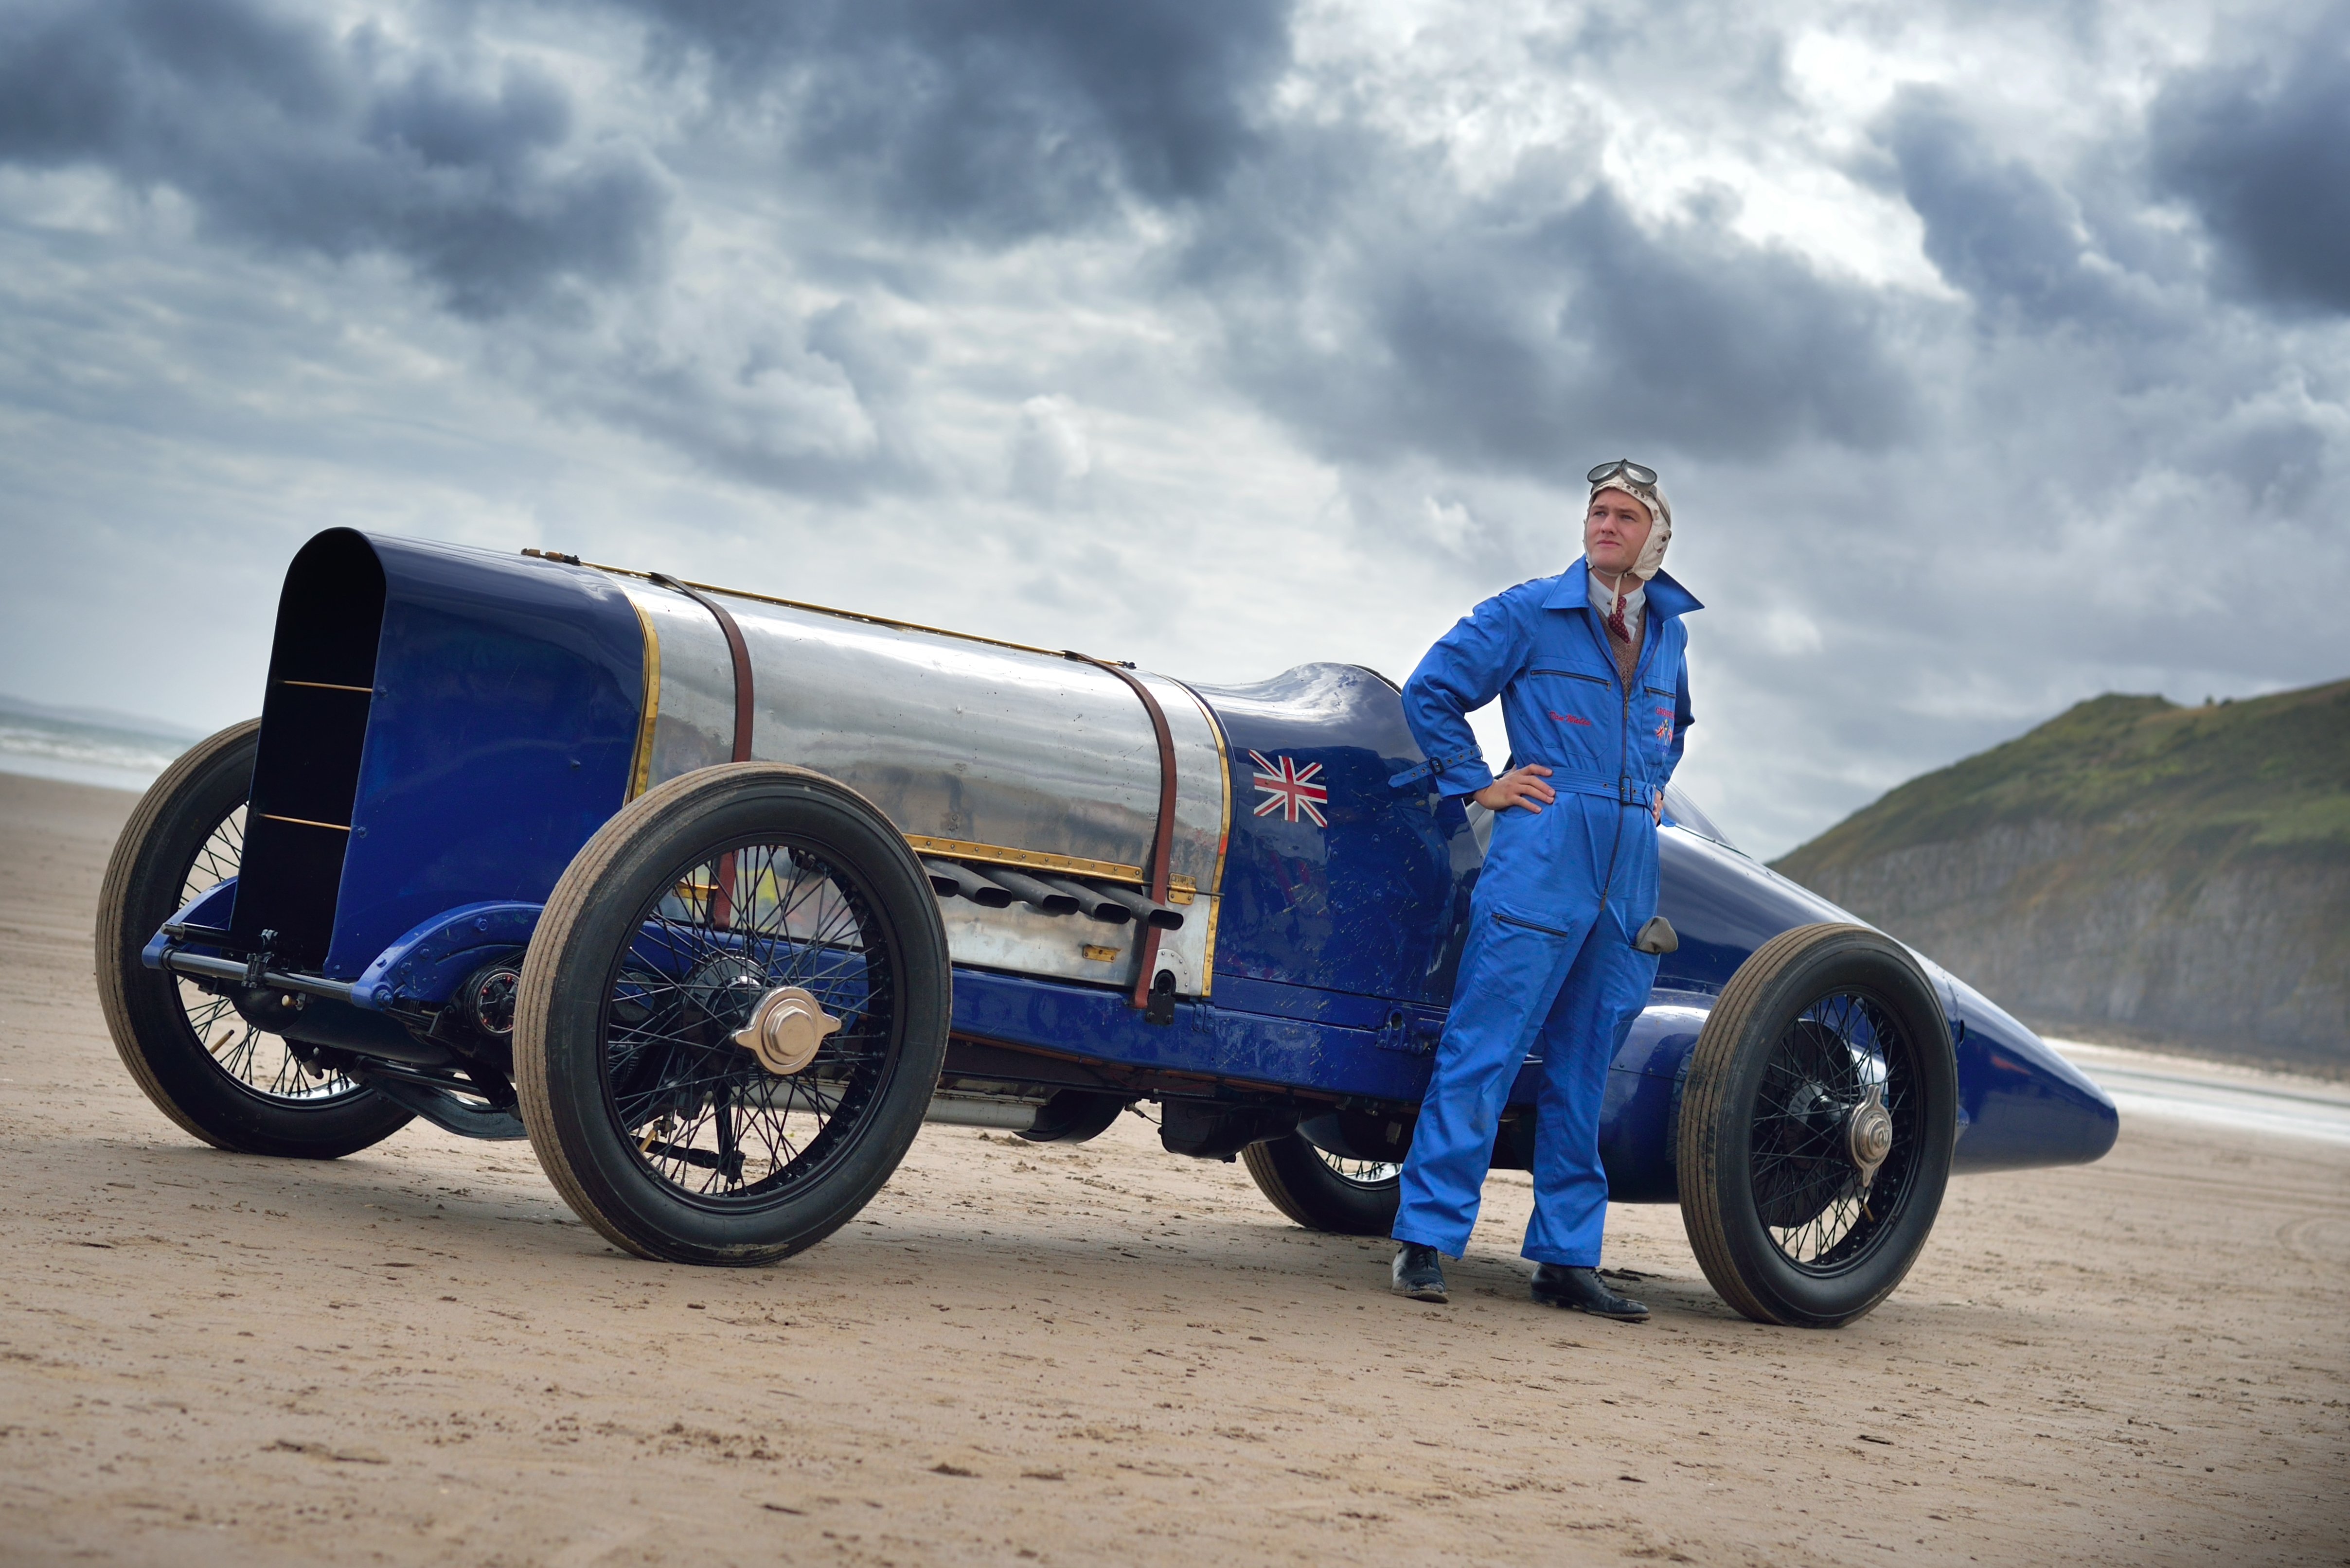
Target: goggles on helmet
1639,474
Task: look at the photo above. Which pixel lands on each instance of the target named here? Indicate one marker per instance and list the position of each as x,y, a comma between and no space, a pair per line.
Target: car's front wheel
733,1015
1816,1127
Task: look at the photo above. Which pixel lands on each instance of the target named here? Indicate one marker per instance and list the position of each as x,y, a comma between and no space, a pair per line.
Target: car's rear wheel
1816,1127
199,1061
1323,1191
733,1015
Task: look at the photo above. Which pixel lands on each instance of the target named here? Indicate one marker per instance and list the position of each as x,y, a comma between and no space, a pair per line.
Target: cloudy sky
1995,355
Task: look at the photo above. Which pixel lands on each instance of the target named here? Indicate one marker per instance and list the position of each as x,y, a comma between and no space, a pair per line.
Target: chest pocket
1576,696
1652,722
1653,703
1581,712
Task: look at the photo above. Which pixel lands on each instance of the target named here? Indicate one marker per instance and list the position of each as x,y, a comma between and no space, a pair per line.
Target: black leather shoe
1419,1273
1579,1290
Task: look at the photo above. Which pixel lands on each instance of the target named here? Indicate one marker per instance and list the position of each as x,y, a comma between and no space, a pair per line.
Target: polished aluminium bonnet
979,752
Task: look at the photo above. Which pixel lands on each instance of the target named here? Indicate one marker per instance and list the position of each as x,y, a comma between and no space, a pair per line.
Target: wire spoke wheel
198,1058
1812,1199
733,1015
1816,1127
256,1059
704,1114
1326,1192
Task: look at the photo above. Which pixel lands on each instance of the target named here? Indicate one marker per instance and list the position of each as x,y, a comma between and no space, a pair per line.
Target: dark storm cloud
1995,229
1512,334
2261,151
1720,347
822,408
287,136
1050,302
997,119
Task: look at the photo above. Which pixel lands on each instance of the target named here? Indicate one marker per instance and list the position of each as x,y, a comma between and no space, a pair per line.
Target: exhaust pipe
1093,903
1142,908
982,1111
948,878
1038,895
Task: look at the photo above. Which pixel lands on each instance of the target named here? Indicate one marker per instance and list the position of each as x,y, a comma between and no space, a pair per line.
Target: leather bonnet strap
736,648
1162,844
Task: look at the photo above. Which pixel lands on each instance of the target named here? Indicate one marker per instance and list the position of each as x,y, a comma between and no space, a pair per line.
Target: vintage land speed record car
717,898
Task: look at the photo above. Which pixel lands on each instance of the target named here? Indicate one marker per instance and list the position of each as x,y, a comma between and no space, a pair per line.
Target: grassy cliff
2171,870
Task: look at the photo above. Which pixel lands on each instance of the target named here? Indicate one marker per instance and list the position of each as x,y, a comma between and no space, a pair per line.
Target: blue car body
486,729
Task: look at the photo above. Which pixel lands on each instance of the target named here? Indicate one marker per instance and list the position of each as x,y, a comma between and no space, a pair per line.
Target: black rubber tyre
698,899
1772,1195
249,1094
1323,1192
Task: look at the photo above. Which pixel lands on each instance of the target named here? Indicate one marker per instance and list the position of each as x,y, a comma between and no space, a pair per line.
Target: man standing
1594,687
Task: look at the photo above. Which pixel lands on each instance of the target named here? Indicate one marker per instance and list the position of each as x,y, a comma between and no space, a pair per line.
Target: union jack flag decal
1290,789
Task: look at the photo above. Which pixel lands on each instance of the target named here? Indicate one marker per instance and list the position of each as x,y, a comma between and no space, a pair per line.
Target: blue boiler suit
1549,959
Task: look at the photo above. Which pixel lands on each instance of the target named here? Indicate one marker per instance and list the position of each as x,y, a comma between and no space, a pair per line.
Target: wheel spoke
1361,1172
1805,1187
704,1115
263,1063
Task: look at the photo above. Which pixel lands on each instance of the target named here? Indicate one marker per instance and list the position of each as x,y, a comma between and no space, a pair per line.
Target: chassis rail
194,965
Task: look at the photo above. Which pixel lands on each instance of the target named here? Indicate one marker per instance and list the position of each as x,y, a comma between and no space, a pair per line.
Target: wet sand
1096,1353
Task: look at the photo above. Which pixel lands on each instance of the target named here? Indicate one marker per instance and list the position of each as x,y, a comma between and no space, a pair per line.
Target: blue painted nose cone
2020,1102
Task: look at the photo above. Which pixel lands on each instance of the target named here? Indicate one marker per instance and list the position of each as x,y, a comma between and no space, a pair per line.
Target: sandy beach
1096,1353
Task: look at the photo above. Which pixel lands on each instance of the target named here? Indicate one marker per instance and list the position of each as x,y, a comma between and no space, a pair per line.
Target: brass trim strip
305,822
1180,889
328,686
640,769
803,605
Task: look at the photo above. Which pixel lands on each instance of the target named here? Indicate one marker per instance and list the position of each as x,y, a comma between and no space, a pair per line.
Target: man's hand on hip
1520,786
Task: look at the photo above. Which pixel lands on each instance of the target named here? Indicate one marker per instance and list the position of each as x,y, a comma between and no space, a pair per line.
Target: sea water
88,751
2176,1088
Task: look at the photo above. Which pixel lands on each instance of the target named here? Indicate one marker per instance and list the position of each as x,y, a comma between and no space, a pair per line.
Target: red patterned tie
1616,626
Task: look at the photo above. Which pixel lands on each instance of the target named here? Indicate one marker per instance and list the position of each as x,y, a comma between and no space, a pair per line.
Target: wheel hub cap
1869,1133
787,1028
